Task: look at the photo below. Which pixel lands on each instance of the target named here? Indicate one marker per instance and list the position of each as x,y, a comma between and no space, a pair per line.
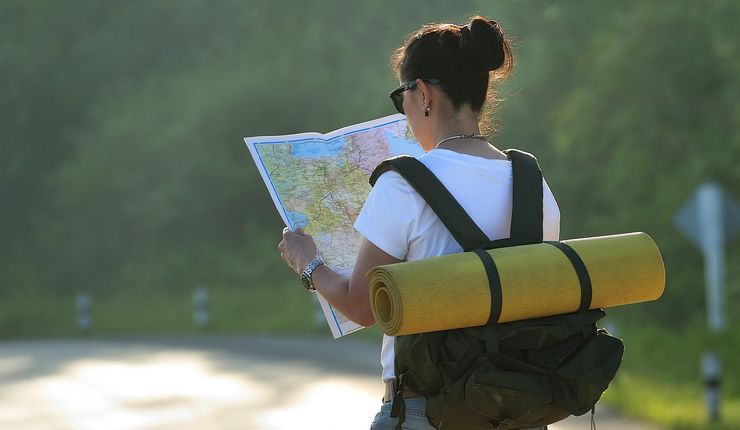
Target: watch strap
307,273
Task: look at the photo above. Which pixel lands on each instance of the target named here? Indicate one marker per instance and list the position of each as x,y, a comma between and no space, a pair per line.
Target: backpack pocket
508,394
417,360
588,373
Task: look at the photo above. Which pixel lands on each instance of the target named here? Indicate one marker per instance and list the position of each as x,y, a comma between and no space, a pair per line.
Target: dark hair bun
482,43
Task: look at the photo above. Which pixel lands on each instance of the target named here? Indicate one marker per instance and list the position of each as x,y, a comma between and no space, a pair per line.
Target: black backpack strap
465,231
527,210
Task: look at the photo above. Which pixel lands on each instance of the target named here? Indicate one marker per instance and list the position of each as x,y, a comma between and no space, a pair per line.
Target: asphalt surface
203,383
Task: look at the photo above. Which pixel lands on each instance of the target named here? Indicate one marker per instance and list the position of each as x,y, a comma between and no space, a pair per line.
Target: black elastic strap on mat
465,231
526,210
583,277
494,283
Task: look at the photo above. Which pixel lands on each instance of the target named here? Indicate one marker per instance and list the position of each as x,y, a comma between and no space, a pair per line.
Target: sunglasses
397,94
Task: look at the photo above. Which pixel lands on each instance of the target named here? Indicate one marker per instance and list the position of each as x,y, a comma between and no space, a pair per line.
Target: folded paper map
320,182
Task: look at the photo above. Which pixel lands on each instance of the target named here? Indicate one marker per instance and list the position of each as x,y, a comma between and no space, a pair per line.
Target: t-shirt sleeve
551,214
389,215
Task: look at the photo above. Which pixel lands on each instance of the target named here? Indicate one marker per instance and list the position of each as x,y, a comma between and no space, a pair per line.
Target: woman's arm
350,296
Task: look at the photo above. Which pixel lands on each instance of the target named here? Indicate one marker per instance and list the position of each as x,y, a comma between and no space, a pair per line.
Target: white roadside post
84,315
710,219
712,371
200,308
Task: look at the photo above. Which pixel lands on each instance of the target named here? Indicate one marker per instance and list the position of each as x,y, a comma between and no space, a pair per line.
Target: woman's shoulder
392,182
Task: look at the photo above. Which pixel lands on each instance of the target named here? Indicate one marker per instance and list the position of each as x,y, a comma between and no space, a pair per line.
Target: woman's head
465,59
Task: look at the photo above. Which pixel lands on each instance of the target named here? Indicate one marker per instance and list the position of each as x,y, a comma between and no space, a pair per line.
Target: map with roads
320,182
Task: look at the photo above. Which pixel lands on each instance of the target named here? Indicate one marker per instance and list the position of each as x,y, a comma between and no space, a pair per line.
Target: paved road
203,383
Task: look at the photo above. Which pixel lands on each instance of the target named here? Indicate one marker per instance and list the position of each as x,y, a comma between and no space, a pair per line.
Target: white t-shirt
398,221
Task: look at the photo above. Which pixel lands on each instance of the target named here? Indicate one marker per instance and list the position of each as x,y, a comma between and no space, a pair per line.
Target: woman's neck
466,125
462,124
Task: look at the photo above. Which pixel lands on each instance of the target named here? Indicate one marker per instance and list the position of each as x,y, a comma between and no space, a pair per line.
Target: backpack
512,375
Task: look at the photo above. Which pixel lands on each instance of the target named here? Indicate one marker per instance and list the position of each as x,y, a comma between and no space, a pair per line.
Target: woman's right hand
297,249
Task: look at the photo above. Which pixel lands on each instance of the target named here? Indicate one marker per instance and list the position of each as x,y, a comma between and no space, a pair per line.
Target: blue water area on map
297,219
401,145
318,148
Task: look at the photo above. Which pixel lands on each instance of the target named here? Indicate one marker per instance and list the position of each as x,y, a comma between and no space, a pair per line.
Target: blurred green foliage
123,172
122,166
122,163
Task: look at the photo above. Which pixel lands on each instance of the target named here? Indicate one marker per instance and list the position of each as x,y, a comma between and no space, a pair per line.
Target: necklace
461,136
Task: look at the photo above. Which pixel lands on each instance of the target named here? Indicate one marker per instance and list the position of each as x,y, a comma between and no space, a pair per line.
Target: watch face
306,282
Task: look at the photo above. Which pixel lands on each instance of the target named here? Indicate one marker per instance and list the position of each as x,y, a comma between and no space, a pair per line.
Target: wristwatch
308,272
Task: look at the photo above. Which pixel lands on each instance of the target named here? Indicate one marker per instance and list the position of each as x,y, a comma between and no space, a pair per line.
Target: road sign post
710,219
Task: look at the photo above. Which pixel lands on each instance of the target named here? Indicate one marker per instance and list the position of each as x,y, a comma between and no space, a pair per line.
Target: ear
426,93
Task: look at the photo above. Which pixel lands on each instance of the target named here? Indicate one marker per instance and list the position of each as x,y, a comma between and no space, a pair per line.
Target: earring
426,111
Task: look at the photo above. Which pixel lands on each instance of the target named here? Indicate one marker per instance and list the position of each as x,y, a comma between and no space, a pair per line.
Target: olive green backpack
512,375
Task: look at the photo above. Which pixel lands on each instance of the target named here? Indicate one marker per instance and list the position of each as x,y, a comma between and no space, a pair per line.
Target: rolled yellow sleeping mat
522,282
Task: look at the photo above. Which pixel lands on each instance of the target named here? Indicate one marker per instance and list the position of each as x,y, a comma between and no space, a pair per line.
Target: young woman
447,74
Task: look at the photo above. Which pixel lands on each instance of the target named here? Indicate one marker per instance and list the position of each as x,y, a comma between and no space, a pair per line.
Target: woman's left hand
297,249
